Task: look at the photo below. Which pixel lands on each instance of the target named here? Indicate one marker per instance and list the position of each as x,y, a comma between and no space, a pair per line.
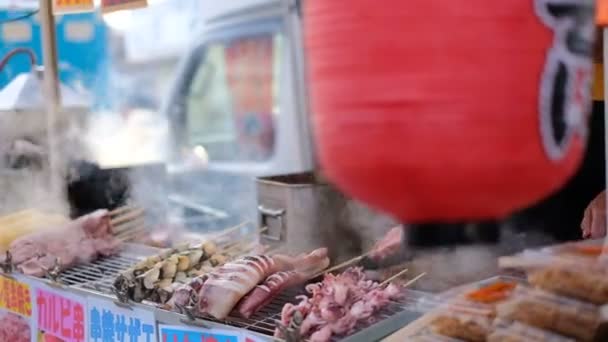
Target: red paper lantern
449,110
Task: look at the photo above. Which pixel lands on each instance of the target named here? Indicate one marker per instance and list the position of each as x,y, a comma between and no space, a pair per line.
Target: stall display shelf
92,282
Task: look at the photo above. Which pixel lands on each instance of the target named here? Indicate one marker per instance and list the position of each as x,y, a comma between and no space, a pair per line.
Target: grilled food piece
232,281
186,294
169,267
337,305
264,293
274,285
460,327
151,276
209,248
79,241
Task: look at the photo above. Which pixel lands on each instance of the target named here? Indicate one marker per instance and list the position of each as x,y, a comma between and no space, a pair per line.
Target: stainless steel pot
298,213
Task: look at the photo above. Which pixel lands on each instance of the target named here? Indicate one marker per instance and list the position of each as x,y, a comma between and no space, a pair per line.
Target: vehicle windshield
231,102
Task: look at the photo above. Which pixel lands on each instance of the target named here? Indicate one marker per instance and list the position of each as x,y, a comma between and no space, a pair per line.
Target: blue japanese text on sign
110,323
182,334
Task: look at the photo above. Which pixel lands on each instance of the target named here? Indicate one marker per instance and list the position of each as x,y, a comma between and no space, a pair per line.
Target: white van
238,108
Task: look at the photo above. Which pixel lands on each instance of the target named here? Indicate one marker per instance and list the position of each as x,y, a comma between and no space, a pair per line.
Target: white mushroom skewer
183,263
195,257
170,267
180,277
151,276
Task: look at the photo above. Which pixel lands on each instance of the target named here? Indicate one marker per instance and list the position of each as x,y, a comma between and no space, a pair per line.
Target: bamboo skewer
128,222
131,236
121,210
342,265
233,247
126,226
412,281
229,230
393,277
128,216
239,251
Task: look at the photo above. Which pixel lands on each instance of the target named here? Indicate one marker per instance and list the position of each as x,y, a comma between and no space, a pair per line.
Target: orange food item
589,250
492,293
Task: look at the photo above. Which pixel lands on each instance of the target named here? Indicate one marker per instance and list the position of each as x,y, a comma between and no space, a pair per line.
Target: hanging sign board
72,6
19,4
172,333
118,5
108,322
250,73
61,315
16,310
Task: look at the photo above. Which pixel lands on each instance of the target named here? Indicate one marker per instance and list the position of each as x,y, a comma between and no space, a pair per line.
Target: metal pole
605,71
51,86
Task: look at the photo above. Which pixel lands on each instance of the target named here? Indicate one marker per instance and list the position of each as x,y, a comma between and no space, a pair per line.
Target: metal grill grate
264,321
100,274
97,275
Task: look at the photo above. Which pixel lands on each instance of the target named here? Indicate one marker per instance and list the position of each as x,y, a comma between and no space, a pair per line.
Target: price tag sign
61,316
16,310
119,5
171,333
108,322
72,6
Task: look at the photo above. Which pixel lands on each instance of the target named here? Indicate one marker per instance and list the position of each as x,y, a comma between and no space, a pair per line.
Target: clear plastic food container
458,325
430,337
554,269
511,331
551,312
479,298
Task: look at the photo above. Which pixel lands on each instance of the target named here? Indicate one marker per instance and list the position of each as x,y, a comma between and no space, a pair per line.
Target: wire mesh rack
98,277
391,318
100,274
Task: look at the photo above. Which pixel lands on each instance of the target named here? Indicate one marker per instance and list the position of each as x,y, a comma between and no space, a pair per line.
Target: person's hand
389,245
594,219
387,252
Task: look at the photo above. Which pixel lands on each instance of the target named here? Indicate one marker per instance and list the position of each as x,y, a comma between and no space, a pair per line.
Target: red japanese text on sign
68,3
15,297
60,316
250,73
69,6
